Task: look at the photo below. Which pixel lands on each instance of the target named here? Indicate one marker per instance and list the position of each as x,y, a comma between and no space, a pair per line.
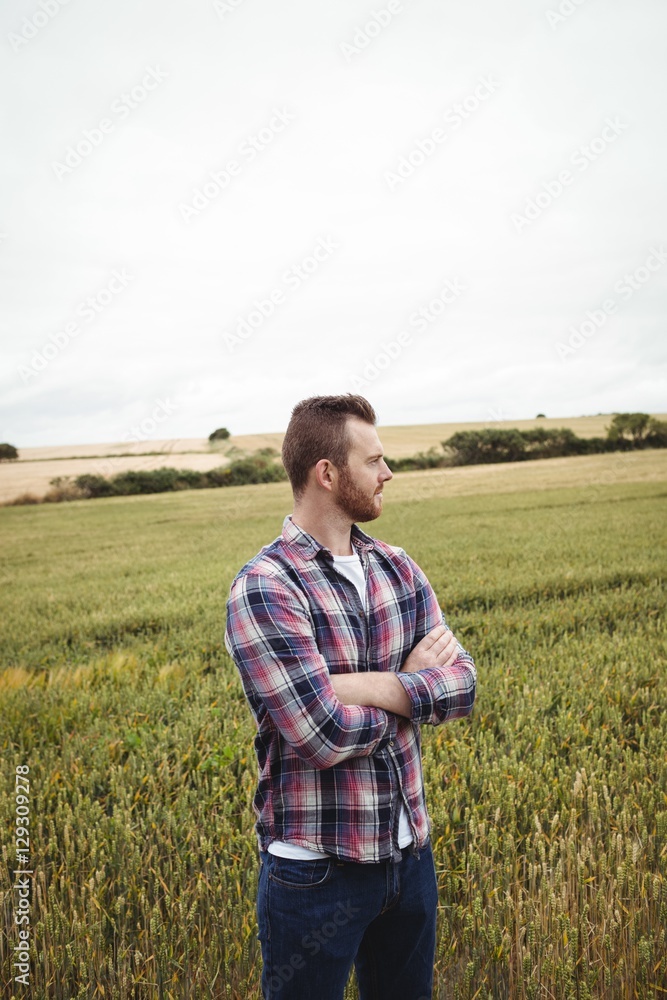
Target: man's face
359,487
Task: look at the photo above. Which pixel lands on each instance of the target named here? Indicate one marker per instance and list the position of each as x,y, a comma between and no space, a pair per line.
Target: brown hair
317,429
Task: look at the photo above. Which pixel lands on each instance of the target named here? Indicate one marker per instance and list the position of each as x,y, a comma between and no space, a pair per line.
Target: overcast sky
211,210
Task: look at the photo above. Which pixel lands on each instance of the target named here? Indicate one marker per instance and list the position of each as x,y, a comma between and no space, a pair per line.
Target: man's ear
325,473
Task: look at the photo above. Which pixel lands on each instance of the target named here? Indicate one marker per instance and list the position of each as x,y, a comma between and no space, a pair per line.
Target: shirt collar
308,547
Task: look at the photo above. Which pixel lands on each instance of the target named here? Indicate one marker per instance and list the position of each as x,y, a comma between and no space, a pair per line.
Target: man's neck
331,530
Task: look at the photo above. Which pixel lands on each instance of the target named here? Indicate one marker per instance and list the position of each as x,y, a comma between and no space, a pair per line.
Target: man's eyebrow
379,454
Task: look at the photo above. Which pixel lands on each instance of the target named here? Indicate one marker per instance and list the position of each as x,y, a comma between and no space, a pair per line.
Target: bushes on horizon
657,434
221,434
511,445
493,444
631,427
557,443
627,432
8,453
63,488
637,430
23,500
93,486
485,446
431,459
258,468
255,469
163,480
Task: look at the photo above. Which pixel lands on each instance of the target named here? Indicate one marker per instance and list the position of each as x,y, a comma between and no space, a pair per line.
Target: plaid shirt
331,776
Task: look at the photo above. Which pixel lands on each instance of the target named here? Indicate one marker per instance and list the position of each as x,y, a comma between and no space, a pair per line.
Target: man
343,652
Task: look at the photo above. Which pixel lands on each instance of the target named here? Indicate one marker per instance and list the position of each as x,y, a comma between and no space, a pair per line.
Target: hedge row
511,445
255,469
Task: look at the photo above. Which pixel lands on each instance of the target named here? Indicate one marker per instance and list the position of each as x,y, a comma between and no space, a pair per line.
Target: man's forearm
374,689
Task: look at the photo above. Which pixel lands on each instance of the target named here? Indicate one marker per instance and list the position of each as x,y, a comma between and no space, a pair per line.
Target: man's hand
437,649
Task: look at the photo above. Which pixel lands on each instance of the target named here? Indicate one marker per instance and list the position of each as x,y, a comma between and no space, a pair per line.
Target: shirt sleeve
437,694
269,635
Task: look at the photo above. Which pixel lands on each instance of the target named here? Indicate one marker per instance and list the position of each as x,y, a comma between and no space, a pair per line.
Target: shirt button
391,743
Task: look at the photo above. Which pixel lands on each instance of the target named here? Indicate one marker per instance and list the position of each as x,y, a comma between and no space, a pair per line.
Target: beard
355,503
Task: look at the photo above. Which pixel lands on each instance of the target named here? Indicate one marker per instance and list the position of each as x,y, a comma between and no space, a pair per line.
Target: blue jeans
318,918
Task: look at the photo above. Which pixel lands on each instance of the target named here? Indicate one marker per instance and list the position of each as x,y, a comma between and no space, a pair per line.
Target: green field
549,805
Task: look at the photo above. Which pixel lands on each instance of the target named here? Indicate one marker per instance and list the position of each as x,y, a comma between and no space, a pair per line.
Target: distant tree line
258,468
627,431
641,430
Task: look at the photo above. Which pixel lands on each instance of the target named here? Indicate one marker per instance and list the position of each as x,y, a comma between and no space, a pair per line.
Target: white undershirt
350,567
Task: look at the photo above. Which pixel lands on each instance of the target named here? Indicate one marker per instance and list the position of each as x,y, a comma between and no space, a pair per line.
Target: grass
549,806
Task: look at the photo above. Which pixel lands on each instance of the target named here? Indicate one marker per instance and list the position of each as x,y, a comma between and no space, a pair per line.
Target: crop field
548,805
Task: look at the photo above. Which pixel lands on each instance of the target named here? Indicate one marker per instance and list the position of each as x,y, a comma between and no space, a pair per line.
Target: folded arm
443,692
437,681
373,688
269,635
